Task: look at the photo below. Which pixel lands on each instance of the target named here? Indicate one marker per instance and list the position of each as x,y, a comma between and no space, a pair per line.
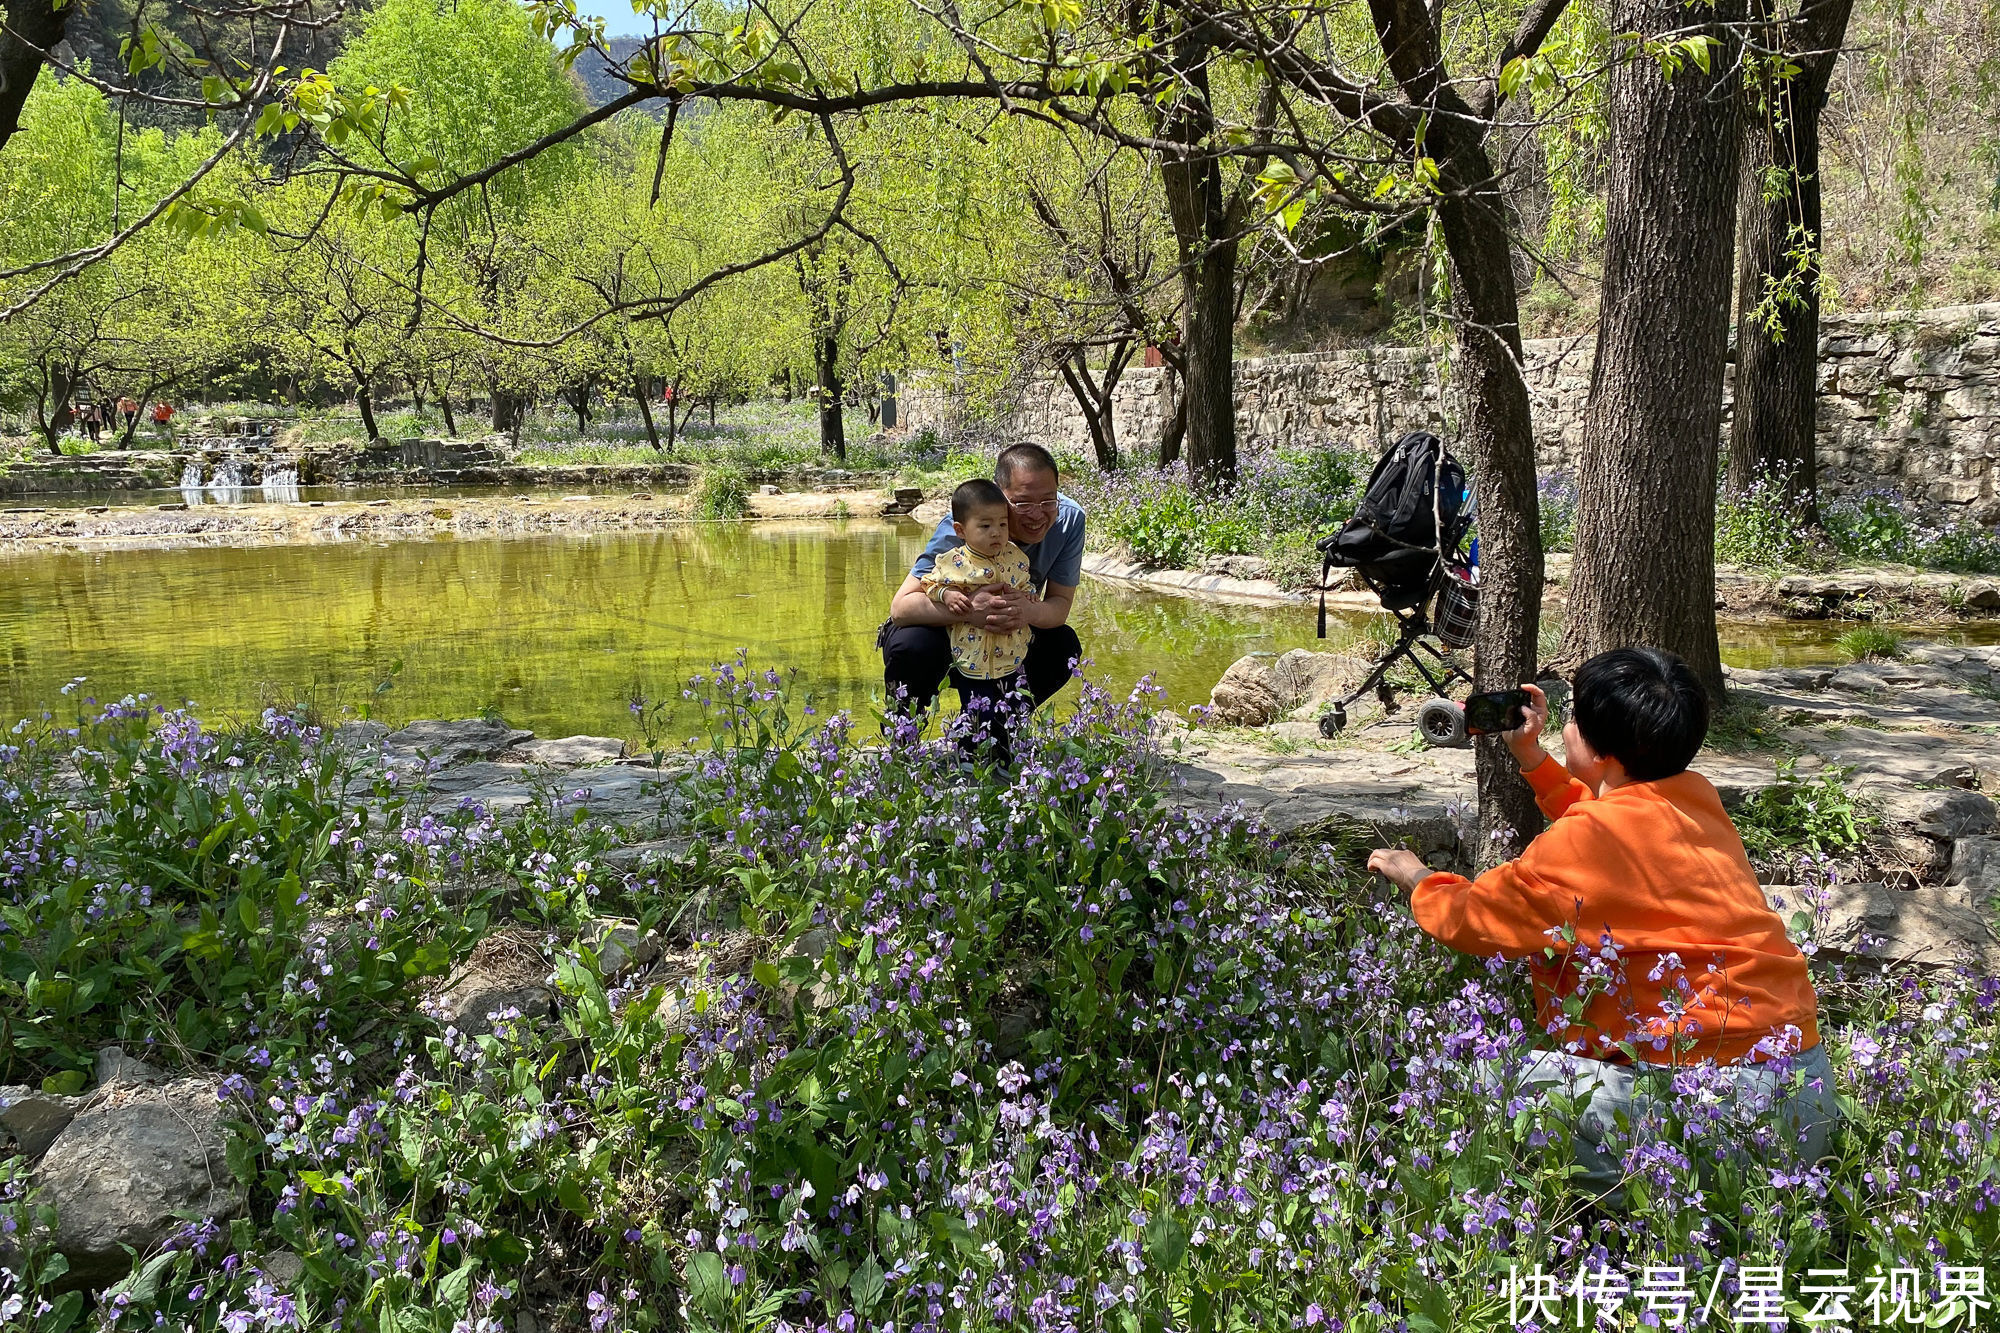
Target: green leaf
708,1283
455,1287
765,974
1166,1243
867,1284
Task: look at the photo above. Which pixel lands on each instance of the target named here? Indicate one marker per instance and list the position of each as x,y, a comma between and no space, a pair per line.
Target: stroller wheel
1442,724
1332,721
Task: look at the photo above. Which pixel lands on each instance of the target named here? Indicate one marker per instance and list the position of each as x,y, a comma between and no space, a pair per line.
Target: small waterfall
227,483
281,483
191,474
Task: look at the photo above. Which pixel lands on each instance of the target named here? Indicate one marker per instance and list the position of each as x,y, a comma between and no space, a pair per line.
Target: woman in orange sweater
1650,940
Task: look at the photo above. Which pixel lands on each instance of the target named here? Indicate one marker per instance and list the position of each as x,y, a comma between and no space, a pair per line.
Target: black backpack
1393,540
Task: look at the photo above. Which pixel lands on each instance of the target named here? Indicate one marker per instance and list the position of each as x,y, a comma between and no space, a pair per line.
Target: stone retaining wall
1908,400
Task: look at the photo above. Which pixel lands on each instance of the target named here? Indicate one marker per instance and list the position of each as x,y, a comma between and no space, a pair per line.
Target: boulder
572,751
454,741
1247,694
1870,677
32,1118
1932,927
1982,595
503,972
1305,679
130,1169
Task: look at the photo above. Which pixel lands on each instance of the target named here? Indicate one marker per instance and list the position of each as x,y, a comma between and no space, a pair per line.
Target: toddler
988,556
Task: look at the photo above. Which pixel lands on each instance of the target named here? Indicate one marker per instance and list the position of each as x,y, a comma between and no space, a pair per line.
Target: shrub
1885,526
1760,526
1865,642
1557,499
721,491
1796,816
1280,497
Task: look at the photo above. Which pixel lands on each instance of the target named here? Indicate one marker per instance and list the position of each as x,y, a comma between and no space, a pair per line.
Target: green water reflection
555,633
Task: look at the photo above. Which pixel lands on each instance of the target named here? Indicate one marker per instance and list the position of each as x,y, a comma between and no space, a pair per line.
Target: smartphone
1495,711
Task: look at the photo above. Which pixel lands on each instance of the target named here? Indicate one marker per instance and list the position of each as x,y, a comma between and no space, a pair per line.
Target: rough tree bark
32,26
1645,538
508,409
1773,433
1498,435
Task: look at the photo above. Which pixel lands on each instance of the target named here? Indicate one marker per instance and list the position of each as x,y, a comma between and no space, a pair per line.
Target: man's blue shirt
1057,558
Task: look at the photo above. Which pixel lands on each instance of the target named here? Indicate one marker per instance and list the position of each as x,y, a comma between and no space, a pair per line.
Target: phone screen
1495,711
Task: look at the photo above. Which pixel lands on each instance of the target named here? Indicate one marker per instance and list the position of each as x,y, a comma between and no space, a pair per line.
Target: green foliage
721,491
196,867
1798,816
1760,527
1869,642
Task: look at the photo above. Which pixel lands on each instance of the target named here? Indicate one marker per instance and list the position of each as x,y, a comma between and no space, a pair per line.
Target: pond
558,633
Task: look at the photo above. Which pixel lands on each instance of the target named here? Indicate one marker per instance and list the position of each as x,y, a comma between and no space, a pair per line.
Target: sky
619,20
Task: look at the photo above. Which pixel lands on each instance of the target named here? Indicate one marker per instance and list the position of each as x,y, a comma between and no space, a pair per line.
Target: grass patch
721,492
1870,643
1796,816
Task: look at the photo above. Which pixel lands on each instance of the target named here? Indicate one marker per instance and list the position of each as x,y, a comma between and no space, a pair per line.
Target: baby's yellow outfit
977,652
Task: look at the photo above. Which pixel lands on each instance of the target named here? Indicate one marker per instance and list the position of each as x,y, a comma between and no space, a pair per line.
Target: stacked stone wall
1909,401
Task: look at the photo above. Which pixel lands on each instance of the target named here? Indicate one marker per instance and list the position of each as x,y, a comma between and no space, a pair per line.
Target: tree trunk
1206,243
32,26
1176,432
1498,435
508,409
1774,431
832,425
444,405
364,400
1645,539
646,412
1096,400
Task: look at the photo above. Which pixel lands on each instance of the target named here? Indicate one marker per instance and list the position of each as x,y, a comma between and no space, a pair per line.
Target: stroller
1403,543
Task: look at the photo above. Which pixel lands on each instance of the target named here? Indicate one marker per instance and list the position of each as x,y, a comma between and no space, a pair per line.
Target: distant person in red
667,394
128,412
162,415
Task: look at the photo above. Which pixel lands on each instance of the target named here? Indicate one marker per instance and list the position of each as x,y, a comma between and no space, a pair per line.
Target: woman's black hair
979,493
1643,707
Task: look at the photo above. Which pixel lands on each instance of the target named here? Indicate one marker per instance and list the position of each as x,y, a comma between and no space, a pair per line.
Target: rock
637,854
1247,694
767,490
619,945
1246,567
454,741
1943,814
32,1118
130,1169
1869,677
814,944
1975,867
1982,595
1306,679
283,1267
358,737
503,972
114,1066
1931,927
571,751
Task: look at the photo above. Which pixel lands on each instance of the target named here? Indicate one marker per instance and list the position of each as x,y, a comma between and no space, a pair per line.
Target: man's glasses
1035,506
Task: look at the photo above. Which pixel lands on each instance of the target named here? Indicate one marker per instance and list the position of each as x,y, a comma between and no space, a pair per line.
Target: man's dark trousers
917,658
